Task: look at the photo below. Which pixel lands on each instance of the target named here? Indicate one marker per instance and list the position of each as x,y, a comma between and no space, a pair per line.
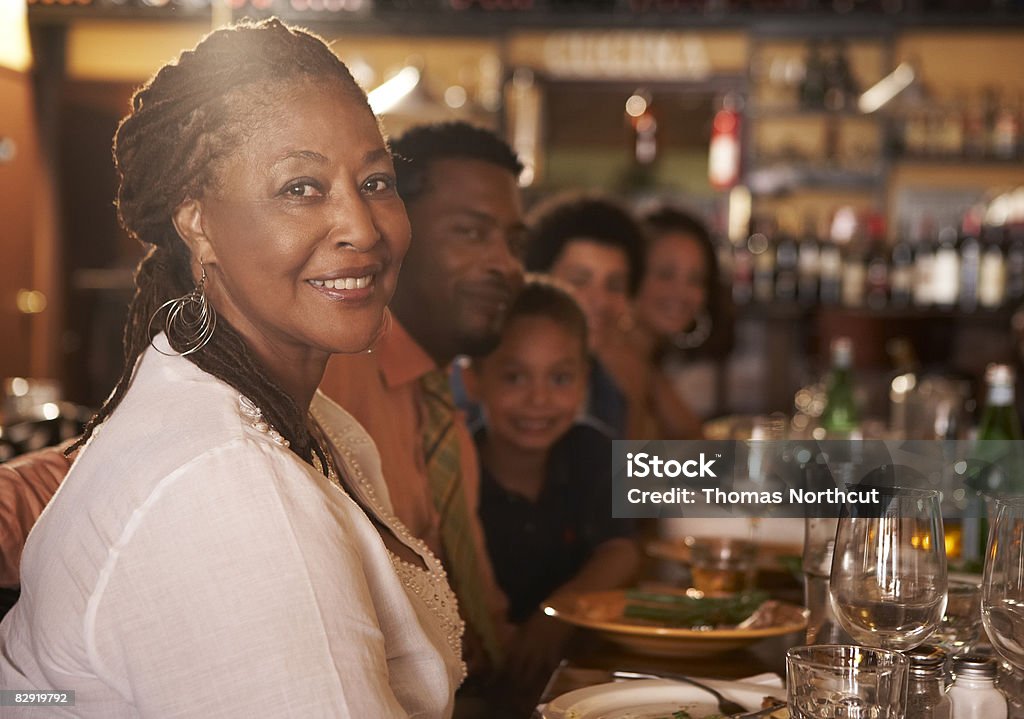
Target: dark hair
567,217
543,296
662,220
421,146
192,113
667,219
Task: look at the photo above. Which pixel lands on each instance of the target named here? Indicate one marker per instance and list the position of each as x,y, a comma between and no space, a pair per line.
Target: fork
725,706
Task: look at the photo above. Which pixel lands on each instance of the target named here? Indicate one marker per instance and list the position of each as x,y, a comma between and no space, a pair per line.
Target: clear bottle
973,693
926,690
840,418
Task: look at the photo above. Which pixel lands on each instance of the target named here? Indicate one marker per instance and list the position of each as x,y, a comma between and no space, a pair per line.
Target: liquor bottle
970,262
763,252
830,265
1015,264
974,127
840,86
742,273
924,262
1006,131
808,263
876,280
854,275
786,264
812,87
992,271
840,418
946,271
901,273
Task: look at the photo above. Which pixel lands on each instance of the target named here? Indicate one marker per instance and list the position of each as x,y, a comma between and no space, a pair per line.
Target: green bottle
840,418
1000,420
999,454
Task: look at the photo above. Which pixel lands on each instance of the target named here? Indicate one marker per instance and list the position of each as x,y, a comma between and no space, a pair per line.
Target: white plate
654,699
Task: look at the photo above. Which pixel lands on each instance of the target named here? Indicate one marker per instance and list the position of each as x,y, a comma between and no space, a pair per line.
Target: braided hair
183,121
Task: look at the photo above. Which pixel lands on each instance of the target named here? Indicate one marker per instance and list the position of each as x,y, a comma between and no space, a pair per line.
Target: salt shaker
926,692
973,692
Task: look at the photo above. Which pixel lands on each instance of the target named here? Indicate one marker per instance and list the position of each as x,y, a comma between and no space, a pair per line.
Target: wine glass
888,581
1002,593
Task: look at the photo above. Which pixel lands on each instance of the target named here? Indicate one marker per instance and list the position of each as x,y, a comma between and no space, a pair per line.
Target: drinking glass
840,681
960,627
888,580
1002,593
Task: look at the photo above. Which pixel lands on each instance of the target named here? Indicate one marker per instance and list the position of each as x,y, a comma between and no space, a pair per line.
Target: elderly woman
223,545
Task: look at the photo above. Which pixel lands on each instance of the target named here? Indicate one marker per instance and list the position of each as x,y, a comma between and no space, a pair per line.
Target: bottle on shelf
924,261
830,267
946,270
1006,133
742,273
973,694
841,88
901,273
876,279
970,261
854,277
787,260
1015,264
812,87
808,263
974,127
992,270
840,418
762,251
926,690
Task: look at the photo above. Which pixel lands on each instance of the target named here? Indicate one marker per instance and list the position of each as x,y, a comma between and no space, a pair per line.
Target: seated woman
545,496
223,545
679,313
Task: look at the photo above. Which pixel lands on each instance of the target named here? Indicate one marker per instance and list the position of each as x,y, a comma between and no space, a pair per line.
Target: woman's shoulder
174,414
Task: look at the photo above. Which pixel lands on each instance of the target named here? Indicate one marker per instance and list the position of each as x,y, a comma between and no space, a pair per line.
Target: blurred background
858,160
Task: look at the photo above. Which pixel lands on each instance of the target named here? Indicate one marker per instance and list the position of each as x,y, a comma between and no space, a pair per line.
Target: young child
545,496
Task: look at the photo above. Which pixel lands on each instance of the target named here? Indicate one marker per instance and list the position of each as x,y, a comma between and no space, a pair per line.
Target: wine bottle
992,272
840,418
999,427
946,270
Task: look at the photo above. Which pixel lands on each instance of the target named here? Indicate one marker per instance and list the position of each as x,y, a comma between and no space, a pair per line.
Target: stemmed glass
888,581
1002,594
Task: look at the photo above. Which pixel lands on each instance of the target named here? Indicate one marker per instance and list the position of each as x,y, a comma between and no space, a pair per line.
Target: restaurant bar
531,359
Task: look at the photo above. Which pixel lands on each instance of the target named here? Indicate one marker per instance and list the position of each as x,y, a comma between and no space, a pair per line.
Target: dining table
590,659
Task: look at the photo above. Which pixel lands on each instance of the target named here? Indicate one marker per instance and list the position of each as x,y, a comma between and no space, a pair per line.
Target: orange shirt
381,390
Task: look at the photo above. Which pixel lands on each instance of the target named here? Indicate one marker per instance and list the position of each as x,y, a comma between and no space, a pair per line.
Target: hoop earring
190,319
697,336
385,327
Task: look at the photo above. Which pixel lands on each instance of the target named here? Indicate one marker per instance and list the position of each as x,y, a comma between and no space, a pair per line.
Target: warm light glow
15,50
455,96
385,96
636,105
883,91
